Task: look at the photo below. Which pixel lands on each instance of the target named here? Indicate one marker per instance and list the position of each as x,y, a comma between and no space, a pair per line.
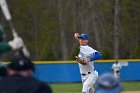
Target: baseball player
85,57
116,69
15,44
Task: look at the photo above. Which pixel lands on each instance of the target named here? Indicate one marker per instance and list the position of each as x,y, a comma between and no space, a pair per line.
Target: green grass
76,87
131,86
66,87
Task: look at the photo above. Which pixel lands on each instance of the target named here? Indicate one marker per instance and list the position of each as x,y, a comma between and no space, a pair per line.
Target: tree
116,30
62,17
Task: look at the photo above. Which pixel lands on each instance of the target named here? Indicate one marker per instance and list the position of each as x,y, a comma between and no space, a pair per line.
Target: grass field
76,87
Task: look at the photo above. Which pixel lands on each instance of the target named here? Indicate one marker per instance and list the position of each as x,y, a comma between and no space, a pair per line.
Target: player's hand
16,43
81,60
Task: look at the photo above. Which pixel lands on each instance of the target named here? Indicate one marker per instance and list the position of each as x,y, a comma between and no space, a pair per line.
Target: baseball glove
81,60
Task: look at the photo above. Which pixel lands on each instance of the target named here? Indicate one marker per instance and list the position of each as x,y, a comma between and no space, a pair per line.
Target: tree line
48,26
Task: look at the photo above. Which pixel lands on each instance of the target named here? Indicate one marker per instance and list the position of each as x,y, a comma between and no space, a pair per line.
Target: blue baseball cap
83,36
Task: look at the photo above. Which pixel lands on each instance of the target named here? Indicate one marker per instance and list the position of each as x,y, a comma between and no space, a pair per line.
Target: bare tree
62,29
116,30
73,9
94,20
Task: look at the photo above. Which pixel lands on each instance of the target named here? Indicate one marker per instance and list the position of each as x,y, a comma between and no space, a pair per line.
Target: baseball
76,35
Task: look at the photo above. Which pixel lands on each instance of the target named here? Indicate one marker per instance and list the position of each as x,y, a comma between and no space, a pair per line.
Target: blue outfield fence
69,72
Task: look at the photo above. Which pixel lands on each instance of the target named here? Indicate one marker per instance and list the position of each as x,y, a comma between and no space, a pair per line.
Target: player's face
83,42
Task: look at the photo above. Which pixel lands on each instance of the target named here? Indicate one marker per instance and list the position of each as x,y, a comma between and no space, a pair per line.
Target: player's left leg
88,84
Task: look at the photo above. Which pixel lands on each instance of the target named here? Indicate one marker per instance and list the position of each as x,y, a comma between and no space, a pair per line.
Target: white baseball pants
88,80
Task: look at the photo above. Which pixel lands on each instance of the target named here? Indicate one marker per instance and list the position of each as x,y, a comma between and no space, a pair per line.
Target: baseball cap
21,63
83,36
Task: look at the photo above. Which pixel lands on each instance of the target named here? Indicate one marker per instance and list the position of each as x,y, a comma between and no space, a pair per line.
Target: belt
85,74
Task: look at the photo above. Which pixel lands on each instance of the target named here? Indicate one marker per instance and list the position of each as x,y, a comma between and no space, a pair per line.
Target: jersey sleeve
96,56
4,47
